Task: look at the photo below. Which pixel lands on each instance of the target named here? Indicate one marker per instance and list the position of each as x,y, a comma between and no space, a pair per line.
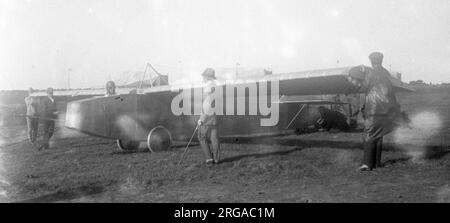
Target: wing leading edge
313,82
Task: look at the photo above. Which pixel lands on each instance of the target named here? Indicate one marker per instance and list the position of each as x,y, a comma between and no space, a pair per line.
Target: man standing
31,116
381,111
207,124
49,117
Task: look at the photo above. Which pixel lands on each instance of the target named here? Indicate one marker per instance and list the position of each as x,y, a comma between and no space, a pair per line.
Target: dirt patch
86,169
315,167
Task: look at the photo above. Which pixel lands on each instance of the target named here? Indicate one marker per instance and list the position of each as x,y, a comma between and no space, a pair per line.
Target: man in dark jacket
49,117
330,119
381,111
207,130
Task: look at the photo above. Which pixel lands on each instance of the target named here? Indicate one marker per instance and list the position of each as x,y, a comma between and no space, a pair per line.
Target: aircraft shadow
429,151
260,155
293,142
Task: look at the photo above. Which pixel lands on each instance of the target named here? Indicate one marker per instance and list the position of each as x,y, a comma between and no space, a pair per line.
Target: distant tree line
422,83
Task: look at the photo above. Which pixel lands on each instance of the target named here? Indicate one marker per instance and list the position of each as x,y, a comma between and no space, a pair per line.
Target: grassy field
315,167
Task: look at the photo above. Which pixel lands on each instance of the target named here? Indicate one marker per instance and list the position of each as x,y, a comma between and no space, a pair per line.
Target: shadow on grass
260,155
430,152
294,142
86,190
394,161
436,152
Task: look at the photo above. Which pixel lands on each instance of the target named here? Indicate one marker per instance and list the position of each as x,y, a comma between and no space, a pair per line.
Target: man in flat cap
207,124
381,111
49,117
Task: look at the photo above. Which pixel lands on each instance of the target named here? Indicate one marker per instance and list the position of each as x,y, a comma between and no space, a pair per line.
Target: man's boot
369,154
379,149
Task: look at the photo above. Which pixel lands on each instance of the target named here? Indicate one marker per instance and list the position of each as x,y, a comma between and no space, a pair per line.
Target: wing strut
296,115
145,71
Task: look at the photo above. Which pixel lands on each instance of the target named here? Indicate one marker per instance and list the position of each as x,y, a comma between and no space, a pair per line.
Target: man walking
49,117
31,116
381,111
207,124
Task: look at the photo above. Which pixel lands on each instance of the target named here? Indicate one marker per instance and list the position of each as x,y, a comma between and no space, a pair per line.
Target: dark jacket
380,95
382,112
49,107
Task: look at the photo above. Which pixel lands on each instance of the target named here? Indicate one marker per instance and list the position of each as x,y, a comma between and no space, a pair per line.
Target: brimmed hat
209,72
376,57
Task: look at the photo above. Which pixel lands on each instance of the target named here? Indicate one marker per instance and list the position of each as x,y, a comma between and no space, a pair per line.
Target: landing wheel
128,145
159,139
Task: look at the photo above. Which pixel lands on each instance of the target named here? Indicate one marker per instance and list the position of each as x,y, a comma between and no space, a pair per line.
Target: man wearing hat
31,116
49,117
381,111
207,124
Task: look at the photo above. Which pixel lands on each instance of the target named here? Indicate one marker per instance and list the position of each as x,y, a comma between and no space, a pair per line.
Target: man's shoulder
377,74
378,70
46,100
384,70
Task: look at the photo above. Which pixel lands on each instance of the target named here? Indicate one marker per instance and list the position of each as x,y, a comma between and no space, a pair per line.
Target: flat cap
209,72
376,57
110,83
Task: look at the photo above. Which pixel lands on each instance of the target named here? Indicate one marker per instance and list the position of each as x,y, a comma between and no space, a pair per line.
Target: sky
43,42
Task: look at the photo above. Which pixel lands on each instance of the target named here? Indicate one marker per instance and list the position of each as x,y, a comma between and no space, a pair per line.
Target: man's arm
201,120
206,108
367,82
206,104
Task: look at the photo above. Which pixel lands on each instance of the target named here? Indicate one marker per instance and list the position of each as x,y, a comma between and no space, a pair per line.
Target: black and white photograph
225,101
